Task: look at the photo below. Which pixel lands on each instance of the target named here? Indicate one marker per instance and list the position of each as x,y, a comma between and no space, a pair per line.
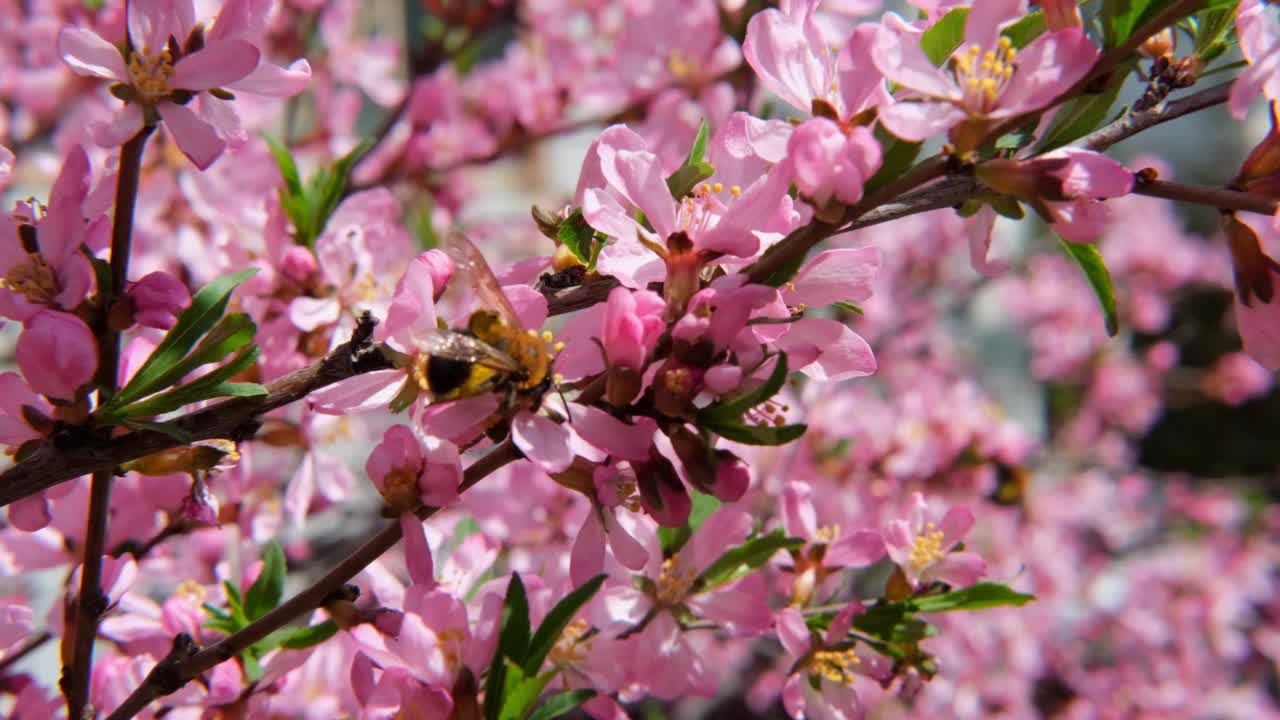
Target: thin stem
91,601
1134,123
1220,198
168,677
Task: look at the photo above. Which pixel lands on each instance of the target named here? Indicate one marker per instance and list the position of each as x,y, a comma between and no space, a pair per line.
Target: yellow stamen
836,665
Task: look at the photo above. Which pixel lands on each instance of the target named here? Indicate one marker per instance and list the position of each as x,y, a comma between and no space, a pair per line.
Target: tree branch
1134,123
90,601
1220,198
181,665
236,418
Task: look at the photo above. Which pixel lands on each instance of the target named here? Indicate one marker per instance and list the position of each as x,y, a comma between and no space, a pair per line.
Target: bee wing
457,346
470,264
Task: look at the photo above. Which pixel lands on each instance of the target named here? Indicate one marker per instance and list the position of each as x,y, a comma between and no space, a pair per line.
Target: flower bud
1263,163
661,492
157,299
57,353
733,476
696,457
298,264
1158,45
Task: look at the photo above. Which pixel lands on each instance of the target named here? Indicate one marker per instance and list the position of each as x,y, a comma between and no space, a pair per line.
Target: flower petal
918,121
899,56
216,65
275,81
195,137
86,53
542,441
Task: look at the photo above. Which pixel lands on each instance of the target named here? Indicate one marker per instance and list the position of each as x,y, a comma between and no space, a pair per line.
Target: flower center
570,648
827,534
33,279
984,75
451,647
628,496
836,665
400,488
682,66
151,72
928,546
191,590
674,581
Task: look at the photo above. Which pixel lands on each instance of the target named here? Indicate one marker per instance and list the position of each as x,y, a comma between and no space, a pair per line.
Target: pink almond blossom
922,545
987,79
57,353
162,78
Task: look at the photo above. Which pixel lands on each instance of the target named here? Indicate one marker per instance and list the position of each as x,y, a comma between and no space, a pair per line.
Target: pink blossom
821,684
826,162
601,528
362,252
157,299
1013,82
632,324
787,50
1259,31
922,545
161,78
720,216
57,354
52,272
409,468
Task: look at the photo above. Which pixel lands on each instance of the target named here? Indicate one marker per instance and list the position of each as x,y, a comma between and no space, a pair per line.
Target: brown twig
1134,123
1220,198
90,600
182,666
236,419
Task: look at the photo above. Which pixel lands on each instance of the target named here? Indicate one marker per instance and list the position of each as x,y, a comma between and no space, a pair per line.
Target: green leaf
733,406
513,643
1095,271
694,169
288,168
252,668
556,621
1080,116
328,185
302,638
743,559
519,699
672,539
207,307
235,604
1212,27
1120,18
686,178
576,234
843,305
561,703
739,432
265,592
212,384
942,39
699,148
1026,29
166,428
975,597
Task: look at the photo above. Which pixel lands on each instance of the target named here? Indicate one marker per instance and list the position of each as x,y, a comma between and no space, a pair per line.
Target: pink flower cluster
861,479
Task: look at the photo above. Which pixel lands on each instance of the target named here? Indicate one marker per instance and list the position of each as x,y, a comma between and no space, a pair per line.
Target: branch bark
236,419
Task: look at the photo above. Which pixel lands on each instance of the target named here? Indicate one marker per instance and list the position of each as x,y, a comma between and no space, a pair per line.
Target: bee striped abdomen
445,375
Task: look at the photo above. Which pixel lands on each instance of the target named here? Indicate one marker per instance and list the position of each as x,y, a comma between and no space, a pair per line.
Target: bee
494,353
